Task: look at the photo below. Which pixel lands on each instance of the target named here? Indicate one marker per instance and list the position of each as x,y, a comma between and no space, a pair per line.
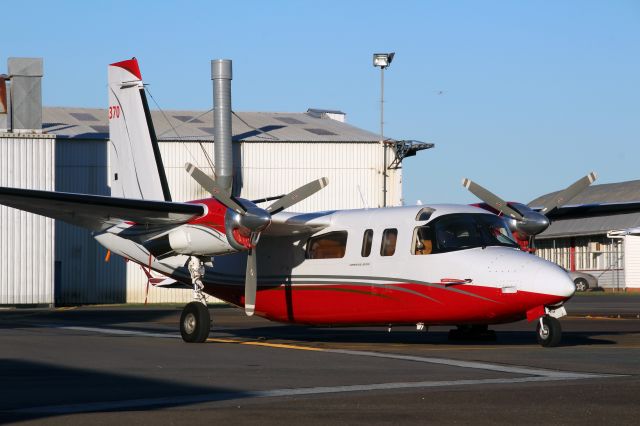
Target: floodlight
383,60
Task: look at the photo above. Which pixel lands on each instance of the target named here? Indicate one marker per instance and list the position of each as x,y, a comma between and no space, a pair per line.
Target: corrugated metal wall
272,169
26,240
277,168
83,275
32,260
268,169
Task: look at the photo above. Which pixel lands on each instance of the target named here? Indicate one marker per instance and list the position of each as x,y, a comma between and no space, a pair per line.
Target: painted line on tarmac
117,332
527,371
268,345
274,393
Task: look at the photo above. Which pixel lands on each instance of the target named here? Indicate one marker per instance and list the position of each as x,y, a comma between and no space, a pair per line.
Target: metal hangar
66,149
605,246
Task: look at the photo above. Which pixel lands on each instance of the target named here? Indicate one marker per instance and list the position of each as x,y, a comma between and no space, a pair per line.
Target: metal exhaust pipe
223,151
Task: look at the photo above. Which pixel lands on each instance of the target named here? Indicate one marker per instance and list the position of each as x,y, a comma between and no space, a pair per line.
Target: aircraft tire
549,333
195,323
581,284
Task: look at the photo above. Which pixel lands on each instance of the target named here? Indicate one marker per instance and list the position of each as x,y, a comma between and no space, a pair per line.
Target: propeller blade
214,189
298,195
491,199
566,195
250,284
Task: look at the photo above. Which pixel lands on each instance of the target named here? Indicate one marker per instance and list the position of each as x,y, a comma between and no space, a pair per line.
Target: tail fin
137,169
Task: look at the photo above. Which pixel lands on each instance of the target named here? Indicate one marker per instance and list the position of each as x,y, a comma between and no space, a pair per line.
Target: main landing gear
195,320
548,331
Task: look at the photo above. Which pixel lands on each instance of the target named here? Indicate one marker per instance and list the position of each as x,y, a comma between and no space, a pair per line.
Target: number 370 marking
114,112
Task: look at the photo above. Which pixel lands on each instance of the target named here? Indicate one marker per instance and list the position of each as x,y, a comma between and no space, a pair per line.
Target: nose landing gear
548,331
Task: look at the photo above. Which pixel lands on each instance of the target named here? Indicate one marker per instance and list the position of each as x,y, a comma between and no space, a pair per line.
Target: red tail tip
130,65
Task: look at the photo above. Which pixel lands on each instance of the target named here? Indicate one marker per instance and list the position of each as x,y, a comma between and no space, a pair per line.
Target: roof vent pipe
223,151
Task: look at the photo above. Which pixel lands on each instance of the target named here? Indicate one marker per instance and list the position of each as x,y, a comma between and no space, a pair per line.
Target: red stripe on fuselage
400,303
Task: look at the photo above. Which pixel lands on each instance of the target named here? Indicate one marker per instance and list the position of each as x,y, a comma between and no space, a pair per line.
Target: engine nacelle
191,240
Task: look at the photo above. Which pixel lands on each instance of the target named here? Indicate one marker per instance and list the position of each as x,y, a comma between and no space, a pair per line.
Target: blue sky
535,93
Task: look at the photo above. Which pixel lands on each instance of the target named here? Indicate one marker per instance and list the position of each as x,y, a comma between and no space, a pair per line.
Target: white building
593,244
273,152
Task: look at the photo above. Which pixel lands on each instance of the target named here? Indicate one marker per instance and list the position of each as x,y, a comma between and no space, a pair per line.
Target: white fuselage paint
506,268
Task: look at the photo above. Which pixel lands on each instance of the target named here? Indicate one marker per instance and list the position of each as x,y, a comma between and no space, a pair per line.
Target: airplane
435,264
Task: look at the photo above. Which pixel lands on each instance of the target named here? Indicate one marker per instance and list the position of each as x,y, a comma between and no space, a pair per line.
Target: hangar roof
91,123
621,192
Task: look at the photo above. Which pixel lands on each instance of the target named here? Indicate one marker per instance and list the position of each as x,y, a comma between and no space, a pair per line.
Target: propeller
250,284
297,195
250,220
570,192
491,199
525,221
214,189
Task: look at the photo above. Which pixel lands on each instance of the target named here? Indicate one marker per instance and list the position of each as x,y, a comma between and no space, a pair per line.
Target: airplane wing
285,224
594,209
98,212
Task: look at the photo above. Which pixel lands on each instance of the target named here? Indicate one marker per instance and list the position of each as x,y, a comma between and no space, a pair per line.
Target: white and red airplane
438,264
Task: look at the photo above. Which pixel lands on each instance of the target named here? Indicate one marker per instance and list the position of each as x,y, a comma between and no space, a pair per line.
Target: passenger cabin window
389,238
367,239
327,246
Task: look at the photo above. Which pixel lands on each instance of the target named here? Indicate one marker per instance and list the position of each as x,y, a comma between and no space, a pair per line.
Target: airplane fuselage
364,282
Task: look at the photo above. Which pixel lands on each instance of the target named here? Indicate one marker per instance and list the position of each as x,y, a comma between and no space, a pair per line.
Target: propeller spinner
249,220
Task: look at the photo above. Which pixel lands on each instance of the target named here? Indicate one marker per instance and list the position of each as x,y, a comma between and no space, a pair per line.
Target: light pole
383,60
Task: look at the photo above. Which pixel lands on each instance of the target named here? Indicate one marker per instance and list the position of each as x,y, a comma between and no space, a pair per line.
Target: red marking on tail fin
130,65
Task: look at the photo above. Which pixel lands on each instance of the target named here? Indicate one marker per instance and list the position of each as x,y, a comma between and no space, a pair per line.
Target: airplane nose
561,283
552,280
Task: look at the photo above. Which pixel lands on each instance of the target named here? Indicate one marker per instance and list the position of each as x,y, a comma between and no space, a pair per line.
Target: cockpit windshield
461,231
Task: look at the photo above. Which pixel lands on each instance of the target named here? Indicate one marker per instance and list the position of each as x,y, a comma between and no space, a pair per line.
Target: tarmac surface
106,365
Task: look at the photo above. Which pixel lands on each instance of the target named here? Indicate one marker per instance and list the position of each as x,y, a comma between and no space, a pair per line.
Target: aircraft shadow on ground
26,318
29,384
409,337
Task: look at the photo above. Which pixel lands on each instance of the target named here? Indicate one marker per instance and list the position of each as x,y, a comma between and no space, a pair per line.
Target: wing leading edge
98,212
574,211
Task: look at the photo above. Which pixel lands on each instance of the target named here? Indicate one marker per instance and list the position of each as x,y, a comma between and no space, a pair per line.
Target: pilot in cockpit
423,245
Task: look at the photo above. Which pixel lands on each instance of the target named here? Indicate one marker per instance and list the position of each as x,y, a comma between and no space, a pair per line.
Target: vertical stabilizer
136,165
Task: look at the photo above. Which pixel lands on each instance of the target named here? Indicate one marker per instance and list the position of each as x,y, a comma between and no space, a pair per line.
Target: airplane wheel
195,323
549,332
581,284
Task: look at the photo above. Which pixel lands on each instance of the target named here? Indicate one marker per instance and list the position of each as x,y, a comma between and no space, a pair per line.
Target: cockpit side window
422,240
459,231
425,214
